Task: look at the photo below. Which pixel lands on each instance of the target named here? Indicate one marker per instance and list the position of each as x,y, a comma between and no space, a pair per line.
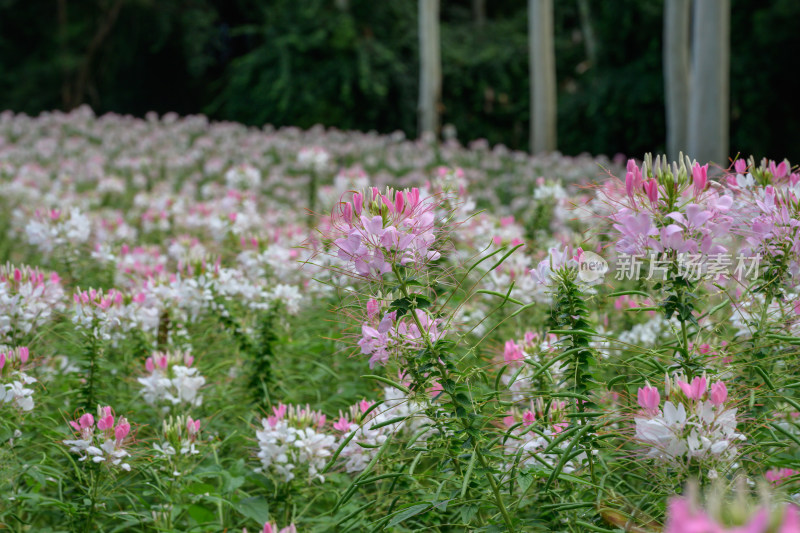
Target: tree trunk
63,36
479,12
430,79
676,74
708,97
82,78
590,42
543,76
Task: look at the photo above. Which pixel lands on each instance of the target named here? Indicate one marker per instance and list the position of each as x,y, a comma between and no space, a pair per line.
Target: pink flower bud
86,421
740,166
512,352
192,426
2,360
107,422
148,364
649,398
699,177
342,425
778,171
122,429
413,197
364,405
17,275
696,390
279,411
373,307
24,354
719,393
528,418
651,188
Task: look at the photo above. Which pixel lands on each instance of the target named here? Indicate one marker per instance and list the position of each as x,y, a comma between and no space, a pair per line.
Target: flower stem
496,490
443,371
92,349
92,502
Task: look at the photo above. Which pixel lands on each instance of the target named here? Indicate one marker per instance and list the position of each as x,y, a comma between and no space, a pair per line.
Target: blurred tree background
353,64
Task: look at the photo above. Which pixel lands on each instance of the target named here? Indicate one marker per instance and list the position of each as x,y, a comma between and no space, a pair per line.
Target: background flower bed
187,347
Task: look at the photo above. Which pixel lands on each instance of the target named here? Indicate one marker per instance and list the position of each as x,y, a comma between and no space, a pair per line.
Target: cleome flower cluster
103,442
171,380
14,381
695,426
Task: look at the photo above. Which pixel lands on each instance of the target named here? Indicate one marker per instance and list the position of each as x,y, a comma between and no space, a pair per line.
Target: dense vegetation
450,339
352,64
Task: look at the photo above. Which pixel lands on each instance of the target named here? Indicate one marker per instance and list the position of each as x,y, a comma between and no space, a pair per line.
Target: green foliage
354,65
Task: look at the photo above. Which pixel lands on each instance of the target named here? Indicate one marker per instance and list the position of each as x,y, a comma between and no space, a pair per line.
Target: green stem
578,341
443,371
92,502
686,361
768,297
92,352
219,500
312,197
496,490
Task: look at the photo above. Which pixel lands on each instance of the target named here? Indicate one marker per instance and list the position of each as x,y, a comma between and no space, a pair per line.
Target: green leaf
389,422
500,262
254,508
338,451
465,484
524,480
199,488
408,513
468,512
232,483
388,382
199,514
628,293
505,297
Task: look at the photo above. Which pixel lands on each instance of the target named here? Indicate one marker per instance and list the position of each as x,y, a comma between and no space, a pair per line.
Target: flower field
209,327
